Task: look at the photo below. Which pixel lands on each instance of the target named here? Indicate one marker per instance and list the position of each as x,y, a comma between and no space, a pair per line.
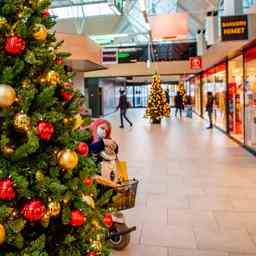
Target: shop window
214,80
236,98
250,98
195,93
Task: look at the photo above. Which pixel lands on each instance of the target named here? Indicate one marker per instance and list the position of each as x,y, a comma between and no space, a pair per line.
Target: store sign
195,62
109,56
234,28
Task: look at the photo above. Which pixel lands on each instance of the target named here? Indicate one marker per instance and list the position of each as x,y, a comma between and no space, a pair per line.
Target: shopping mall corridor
197,192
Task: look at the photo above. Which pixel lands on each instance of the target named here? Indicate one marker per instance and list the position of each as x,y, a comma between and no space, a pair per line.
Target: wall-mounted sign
109,56
195,62
234,28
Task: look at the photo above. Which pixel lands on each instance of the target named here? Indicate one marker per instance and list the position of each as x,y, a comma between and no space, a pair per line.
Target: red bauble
15,45
77,218
45,130
88,181
66,96
34,210
82,149
45,13
7,192
108,220
92,254
59,61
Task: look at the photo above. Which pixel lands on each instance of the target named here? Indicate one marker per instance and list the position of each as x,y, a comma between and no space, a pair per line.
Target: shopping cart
125,198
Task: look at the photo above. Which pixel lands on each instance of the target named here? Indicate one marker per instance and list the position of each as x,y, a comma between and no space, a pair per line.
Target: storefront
195,93
236,98
250,98
233,84
214,80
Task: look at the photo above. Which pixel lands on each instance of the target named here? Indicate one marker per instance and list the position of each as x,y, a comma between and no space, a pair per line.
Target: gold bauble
89,201
8,150
96,224
7,95
22,122
40,176
67,159
54,208
78,122
2,234
66,121
25,84
3,22
96,246
52,78
66,199
40,32
45,220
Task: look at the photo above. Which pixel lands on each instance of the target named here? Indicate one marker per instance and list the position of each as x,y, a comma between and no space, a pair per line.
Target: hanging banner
234,28
195,62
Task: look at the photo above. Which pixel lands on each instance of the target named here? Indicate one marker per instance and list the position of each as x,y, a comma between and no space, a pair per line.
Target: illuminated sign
195,62
109,56
234,28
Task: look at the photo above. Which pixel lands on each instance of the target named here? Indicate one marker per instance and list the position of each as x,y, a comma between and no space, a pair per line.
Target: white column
211,33
200,41
233,7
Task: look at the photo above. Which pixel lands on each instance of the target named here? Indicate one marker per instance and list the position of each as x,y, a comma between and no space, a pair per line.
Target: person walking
123,106
209,108
179,104
167,95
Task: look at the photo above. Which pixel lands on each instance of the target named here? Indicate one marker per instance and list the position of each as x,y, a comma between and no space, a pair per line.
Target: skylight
81,11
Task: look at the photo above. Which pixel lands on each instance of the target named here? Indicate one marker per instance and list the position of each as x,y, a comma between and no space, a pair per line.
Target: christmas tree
49,203
158,106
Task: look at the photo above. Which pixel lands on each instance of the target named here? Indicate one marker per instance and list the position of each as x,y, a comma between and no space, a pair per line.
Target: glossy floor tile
197,191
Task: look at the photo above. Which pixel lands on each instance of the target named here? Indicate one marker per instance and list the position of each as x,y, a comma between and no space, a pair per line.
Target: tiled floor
197,192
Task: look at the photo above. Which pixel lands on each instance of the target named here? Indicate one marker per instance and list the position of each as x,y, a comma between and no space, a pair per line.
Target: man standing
209,108
123,105
179,105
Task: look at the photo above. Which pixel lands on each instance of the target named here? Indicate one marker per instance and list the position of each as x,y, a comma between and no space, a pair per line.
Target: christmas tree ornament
40,32
67,121
7,95
45,13
33,210
54,208
66,199
108,220
3,22
40,176
22,122
59,61
78,122
52,78
96,224
67,159
15,45
25,83
88,181
7,191
45,130
66,96
82,149
8,150
96,245
78,218
45,221
89,201
92,254
2,234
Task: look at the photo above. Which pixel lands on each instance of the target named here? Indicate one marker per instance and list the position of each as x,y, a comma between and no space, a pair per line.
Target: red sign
195,62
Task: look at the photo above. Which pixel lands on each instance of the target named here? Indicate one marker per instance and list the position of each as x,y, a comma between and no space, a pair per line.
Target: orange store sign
234,28
195,62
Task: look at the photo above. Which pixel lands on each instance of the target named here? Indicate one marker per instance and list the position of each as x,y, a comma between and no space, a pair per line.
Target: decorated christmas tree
49,203
158,106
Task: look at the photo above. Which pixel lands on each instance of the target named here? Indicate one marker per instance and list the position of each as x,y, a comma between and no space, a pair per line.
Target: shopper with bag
123,106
